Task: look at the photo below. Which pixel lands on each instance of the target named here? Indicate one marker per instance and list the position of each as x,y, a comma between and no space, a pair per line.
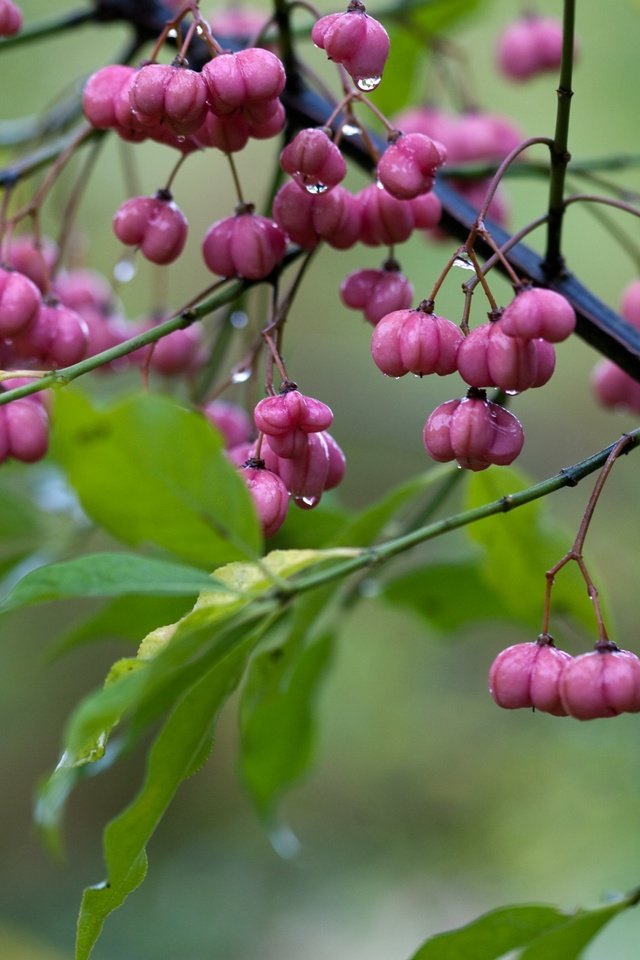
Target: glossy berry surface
603,683
154,224
245,245
536,312
528,675
474,432
357,41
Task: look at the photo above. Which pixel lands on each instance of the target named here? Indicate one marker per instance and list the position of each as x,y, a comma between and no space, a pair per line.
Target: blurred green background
426,804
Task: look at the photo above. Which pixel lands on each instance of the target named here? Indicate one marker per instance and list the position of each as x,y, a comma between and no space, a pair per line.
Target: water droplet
124,271
350,130
239,319
315,188
463,263
370,588
241,375
284,842
366,84
172,34
379,184
181,138
199,30
512,393
306,503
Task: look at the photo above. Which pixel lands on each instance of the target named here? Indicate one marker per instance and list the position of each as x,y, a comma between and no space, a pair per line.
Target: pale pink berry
34,257
81,288
528,675
27,429
337,463
313,160
536,312
474,432
530,46
615,388
357,41
384,220
58,337
333,216
154,224
10,18
237,79
475,193
603,683
232,421
19,303
178,352
415,341
489,358
101,93
165,94
269,494
630,303
407,168
236,21
477,136
289,411
245,245
377,292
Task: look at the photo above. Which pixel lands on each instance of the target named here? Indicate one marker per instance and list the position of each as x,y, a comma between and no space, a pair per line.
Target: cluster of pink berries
294,458
10,18
603,683
612,386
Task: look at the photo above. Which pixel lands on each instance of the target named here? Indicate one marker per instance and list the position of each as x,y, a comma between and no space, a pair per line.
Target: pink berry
537,312
385,220
333,216
477,136
237,79
266,119
27,428
164,94
614,387
269,495
101,93
528,675
232,421
80,288
313,160
473,431
58,337
357,41
19,303
35,258
427,211
415,341
178,352
630,303
229,134
408,166
377,292
603,683
337,463
155,224
289,411
245,245
489,358
10,18
529,46
236,21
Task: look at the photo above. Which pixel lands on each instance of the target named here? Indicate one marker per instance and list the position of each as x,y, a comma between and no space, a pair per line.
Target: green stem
560,155
48,28
569,477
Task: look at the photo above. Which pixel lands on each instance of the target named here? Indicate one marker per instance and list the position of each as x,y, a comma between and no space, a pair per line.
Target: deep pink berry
528,675
529,46
229,134
357,41
232,421
27,429
384,220
161,93
615,388
536,312
313,160
337,463
489,358
237,79
427,211
154,224
474,432
178,352
377,292
245,245
333,216
81,288
10,18
603,683
320,465
407,168
289,411
266,119
20,301
415,341
34,257
101,92
269,494
58,337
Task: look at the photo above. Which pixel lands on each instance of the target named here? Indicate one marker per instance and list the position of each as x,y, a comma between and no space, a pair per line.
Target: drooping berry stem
560,156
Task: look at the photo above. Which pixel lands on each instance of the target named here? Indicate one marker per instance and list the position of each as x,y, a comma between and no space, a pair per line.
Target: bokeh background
426,804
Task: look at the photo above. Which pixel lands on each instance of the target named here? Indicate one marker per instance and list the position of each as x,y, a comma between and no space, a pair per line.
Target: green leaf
518,548
447,595
150,471
493,934
107,575
177,753
567,941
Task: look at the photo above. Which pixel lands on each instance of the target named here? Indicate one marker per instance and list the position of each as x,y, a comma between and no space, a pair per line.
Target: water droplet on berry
181,139
172,34
124,271
366,84
199,30
306,503
512,393
241,376
239,319
463,263
315,188
350,130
